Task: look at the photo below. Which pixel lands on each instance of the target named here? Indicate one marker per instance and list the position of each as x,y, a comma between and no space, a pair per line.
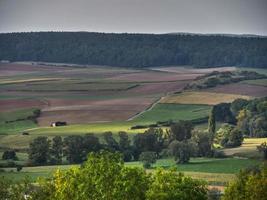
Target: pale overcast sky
138,16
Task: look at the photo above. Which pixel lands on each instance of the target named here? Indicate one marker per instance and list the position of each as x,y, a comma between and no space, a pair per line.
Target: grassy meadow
214,171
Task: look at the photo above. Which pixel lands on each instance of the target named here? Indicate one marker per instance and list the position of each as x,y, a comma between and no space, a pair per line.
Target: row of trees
134,50
180,142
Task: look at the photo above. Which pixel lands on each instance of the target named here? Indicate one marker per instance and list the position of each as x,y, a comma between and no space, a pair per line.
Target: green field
215,171
175,112
16,121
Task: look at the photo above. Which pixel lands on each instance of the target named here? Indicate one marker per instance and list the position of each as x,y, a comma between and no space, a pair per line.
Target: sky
135,16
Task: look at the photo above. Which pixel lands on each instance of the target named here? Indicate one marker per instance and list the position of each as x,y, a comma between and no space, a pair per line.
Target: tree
39,151
147,141
57,150
15,190
223,113
249,185
90,144
182,130
238,104
168,185
73,148
148,158
229,136
9,155
125,146
212,125
203,142
263,148
181,150
111,144
103,176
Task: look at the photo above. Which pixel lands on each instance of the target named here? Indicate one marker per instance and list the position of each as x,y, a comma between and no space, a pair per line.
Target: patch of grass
214,171
205,165
15,121
33,173
202,98
96,128
175,112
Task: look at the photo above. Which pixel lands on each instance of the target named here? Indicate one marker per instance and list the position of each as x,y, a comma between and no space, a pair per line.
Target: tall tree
90,144
125,146
73,148
57,150
182,130
39,151
212,125
111,144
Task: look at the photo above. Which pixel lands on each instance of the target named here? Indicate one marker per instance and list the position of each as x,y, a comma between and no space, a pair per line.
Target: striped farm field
202,98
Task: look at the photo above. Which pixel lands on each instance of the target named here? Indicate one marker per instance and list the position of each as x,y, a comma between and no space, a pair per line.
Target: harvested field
152,76
204,98
248,149
78,112
14,104
240,89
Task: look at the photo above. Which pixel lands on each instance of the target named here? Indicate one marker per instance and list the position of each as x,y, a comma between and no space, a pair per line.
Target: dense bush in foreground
250,184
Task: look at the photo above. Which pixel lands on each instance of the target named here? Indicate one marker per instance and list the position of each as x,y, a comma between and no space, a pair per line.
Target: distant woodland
135,50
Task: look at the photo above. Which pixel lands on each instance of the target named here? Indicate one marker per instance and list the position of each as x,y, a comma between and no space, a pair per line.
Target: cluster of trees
252,116
221,78
243,118
104,176
134,50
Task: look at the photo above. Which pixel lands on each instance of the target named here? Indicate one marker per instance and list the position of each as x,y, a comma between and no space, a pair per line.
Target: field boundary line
147,109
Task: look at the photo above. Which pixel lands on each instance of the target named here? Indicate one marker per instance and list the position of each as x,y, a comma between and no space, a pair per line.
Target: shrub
218,154
9,155
19,168
148,158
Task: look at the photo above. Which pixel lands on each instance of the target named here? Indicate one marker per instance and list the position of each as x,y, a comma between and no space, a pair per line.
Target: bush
219,154
19,168
148,158
181,151
9,155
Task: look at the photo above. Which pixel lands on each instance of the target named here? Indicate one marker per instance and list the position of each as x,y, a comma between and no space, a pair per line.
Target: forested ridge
135,50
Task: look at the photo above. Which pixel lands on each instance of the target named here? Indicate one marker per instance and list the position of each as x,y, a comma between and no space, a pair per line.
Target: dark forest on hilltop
135,50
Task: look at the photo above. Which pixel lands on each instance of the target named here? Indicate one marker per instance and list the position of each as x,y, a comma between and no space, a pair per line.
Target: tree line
134,50
180,142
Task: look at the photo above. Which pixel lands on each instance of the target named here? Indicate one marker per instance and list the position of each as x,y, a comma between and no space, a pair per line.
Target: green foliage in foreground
249,185
104,177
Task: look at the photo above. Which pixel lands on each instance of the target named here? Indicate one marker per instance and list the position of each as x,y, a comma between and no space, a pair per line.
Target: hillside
135,50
